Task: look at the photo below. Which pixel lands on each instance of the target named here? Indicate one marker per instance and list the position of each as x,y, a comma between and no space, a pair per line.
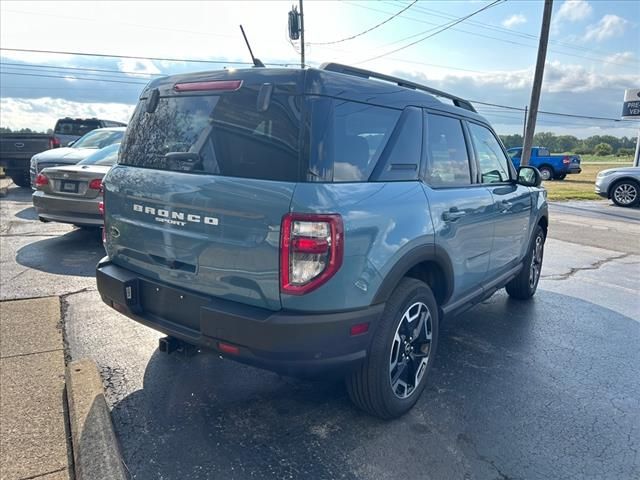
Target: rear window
106,156
99,139
222,135
347,138
75,127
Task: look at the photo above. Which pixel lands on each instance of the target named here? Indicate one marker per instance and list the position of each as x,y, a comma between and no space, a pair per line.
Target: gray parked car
72,194
622,185
81,149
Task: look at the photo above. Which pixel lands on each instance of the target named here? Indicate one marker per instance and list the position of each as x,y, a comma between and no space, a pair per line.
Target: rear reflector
41,180
359,329
218,85
95,184
101,208
226,348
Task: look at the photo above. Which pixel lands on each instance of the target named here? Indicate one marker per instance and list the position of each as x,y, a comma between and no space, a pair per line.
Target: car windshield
99,139
105,156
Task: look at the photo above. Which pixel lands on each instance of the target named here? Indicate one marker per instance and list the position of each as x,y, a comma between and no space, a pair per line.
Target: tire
561,177
625,193
524,286
546,172
21,179
370,385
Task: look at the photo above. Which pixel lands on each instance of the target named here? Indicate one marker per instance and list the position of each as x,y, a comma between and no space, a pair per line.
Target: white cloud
41,114
514,20
574,11
609,26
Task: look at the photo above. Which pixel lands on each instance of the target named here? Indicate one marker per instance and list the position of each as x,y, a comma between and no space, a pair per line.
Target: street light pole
530,127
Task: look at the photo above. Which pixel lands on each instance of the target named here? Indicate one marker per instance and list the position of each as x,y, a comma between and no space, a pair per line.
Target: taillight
95,184
216,85
42,180
566,159
311,251
54,142
101,208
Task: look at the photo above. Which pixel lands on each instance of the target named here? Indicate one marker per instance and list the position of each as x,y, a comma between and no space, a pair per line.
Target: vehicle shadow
75,253
28,213
513,384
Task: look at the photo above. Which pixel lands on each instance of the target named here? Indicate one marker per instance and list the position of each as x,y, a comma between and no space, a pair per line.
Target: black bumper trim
295,343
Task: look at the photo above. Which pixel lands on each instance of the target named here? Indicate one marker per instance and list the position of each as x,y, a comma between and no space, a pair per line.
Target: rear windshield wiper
184,161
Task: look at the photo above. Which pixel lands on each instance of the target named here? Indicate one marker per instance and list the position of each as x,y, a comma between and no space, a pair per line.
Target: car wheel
21,179
390,380
561,177
546,173
525,284
625,193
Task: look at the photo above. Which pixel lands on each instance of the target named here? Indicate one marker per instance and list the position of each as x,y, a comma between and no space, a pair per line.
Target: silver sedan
622,185
72,194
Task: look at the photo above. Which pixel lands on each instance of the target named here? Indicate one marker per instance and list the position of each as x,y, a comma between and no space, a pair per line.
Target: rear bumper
78,211
574,169
289,342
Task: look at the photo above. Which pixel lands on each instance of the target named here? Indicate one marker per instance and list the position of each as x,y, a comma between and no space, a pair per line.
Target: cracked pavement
541,389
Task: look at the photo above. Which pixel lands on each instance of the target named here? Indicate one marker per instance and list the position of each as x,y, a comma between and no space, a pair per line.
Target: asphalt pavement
540,389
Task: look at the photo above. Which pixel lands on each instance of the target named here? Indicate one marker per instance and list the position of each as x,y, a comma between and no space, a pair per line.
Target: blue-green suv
315,221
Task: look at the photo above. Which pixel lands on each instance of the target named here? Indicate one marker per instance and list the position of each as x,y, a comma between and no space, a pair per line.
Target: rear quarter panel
382,221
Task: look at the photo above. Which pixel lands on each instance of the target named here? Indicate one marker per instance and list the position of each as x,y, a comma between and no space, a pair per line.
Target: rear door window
222,135
448,159
347,138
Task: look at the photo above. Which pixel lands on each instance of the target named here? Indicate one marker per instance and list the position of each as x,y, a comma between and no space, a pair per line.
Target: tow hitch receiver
171,344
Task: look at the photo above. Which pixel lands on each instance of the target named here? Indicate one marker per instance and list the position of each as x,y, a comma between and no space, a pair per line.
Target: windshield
99,139
105,156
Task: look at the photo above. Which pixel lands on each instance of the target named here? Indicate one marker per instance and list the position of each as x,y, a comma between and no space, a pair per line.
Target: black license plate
71,187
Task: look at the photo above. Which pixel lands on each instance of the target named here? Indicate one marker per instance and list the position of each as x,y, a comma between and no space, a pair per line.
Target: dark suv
315,221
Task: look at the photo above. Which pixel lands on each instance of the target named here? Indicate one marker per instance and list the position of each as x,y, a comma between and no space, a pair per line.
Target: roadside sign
631,106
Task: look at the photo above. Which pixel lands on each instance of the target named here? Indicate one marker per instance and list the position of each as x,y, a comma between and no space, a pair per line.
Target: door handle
505,206
452,215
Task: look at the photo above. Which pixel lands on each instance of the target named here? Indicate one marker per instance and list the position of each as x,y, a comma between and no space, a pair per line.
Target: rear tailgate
202,184
23,145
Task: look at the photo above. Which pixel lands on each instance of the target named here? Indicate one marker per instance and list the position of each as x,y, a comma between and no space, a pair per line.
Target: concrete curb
96,452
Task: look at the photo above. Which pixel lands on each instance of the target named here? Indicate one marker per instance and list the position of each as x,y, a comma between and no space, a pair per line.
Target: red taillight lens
217,85
101,208
54,142
95,184
311,251
42,180
566,160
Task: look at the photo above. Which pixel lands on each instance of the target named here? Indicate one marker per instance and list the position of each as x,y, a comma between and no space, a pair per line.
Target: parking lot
544,389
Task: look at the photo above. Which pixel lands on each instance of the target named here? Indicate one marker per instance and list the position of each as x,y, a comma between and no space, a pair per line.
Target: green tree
603,149
511,141
545,139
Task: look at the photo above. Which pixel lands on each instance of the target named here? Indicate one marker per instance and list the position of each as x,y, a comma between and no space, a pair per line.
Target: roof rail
360,72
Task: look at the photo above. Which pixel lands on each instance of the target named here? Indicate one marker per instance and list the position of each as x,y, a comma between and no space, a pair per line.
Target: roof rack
360,72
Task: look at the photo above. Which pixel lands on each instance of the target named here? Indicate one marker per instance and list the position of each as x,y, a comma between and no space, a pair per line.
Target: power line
602,60
445,26
72,78
136,57
78,68
369,29
96,76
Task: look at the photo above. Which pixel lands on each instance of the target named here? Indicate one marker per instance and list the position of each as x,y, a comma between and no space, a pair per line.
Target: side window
514,153
543,152
448,160
494,166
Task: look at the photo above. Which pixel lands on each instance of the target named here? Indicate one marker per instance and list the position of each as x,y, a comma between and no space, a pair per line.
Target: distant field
580,187
605,159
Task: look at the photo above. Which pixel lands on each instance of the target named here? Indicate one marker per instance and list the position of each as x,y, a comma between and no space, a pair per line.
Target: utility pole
524,123
301,36
530,127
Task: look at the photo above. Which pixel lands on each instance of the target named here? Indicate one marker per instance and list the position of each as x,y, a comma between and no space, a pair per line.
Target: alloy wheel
410,350
625,194
536,261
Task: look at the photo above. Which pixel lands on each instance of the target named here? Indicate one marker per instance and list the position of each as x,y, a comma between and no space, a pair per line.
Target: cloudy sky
594,53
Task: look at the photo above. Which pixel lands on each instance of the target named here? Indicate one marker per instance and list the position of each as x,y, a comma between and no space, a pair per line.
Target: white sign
631,106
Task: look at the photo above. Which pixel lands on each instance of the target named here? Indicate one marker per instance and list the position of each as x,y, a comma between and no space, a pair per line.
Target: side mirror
71,143
529,176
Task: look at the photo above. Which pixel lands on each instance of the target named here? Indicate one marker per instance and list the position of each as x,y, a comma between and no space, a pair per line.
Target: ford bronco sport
315,221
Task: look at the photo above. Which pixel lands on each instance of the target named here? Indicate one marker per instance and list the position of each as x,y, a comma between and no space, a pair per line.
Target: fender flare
413,257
